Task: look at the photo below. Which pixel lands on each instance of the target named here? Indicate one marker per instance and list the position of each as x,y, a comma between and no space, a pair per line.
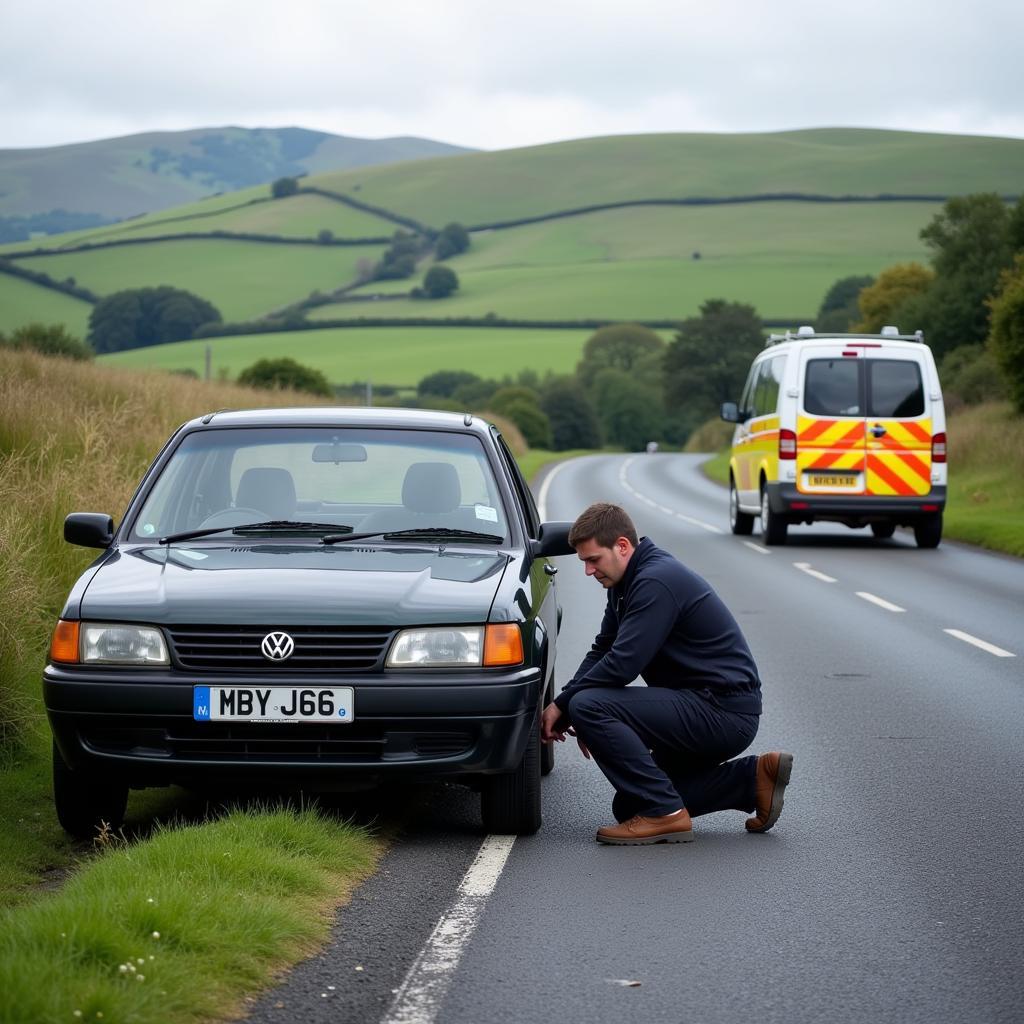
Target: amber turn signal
503,644
64,645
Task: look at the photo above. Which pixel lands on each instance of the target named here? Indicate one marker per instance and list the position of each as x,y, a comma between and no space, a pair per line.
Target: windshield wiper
271,526
420,533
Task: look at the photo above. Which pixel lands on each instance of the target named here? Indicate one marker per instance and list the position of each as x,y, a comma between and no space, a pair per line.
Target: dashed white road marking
626,485
422,992
880,601
999,652
806,567
760,549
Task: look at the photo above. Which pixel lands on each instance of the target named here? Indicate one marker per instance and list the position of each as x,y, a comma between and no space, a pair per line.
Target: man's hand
550,730
584,749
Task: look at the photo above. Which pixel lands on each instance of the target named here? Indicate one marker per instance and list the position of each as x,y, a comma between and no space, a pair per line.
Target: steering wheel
233,517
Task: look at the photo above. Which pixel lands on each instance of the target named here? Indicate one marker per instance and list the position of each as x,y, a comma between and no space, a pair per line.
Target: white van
848,428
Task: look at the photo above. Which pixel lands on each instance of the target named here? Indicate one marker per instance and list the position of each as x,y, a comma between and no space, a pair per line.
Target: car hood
294,584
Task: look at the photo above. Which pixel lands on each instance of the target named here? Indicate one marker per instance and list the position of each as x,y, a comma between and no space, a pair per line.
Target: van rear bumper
859,509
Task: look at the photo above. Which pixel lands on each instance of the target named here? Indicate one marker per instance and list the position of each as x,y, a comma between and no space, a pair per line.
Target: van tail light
787,444
938,448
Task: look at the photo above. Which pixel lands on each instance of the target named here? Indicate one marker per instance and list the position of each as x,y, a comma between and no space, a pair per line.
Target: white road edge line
542,497
423,990
880,601
757,547
806,567
661,508
991,648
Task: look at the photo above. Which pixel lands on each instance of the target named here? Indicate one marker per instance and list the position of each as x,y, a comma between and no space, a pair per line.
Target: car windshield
336,480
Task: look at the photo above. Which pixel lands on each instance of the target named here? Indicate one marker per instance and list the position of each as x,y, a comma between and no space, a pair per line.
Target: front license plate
273,704
839,481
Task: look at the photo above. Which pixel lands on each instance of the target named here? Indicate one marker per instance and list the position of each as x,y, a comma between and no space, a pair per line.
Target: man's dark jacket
665,624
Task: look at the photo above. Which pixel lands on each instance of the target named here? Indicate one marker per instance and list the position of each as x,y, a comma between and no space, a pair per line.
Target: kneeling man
665,747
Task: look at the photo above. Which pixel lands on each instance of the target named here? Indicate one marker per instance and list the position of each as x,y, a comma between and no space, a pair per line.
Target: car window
364,478
895,388
833,387
521,488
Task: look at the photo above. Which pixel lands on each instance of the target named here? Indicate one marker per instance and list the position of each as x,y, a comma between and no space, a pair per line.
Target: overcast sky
495,75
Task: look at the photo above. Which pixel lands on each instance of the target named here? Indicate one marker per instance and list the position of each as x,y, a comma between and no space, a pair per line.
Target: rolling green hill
135,174
633,261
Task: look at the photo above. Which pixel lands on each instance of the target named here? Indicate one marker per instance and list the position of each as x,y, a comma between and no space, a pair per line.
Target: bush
452,240
528,417
439,282
970,375
49,339
138,317
284,187
274,374
1006,339
445,382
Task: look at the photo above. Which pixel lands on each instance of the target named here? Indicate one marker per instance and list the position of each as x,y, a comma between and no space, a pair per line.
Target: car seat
268,490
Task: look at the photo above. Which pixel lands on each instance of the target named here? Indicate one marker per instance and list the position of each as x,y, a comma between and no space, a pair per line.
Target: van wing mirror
89,529
552,539
730,412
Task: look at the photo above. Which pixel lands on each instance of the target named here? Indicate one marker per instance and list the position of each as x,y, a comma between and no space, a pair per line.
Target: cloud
498,75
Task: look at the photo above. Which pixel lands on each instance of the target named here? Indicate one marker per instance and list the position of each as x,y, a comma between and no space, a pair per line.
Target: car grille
266,743
317,648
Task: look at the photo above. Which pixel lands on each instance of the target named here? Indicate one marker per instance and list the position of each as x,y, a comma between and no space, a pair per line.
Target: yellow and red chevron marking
897,473
836,460
823,433
905,435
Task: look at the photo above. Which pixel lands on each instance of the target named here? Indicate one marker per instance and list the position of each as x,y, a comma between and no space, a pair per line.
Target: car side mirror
730,412
552,539
89,529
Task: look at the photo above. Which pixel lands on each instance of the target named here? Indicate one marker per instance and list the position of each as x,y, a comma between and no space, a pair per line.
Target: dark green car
311,598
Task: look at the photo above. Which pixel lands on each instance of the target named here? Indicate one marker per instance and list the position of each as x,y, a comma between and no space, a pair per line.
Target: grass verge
181,927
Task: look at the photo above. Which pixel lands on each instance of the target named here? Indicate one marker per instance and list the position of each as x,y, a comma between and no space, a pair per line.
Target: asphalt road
890,890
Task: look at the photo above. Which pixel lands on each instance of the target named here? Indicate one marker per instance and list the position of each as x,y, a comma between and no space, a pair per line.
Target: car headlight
116,644
449,646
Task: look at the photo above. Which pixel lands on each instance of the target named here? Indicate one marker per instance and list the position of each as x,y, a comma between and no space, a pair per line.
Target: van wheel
742,523
883,531
510,802
85,800
773,527
928,532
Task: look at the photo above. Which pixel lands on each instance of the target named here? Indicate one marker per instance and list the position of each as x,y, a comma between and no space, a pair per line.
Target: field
398,356
23,302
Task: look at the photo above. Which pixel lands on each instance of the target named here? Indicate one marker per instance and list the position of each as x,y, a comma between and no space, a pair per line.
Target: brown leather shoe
773,772
641,831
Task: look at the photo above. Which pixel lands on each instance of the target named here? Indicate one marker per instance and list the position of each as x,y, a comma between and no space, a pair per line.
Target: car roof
341,416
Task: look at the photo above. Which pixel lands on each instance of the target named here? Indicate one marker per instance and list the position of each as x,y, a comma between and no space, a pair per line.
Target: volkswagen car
319,599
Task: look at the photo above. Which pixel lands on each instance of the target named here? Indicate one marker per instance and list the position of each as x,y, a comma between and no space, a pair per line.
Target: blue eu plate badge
201,703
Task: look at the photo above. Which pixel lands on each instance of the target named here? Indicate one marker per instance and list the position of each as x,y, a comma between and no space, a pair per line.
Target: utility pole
369,392
209,359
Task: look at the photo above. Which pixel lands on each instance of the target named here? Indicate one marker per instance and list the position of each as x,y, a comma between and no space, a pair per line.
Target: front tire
85,801
773,527
510,802
741,523
928,532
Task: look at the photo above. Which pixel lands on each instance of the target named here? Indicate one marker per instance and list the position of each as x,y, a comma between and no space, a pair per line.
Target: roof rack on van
888,333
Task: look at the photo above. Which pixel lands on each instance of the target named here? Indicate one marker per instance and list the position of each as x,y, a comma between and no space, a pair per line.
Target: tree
284,187
49,339
444,383
839,308
1006,339
880,302
272,374
707,362
138,317
631,348
628,415
531,421
452,239
439,282
574,422
325,236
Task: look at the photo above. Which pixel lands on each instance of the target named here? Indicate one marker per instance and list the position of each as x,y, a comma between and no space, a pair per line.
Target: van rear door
831,440
899,429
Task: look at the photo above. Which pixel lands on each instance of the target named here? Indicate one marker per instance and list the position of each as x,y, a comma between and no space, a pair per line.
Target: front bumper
139,727
855,509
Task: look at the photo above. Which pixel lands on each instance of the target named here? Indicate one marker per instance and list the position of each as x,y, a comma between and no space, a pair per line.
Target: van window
895,388
747,398
833,387
766,393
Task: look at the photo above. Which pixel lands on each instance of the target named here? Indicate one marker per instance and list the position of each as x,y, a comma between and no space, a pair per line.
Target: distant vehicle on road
311,598
847,428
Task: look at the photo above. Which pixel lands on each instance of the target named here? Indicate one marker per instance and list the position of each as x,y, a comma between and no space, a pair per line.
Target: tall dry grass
74,437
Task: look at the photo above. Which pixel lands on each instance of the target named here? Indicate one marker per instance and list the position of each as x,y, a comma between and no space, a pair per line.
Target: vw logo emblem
277,646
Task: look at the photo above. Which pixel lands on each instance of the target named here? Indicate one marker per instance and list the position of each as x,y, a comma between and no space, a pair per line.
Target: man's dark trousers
663,748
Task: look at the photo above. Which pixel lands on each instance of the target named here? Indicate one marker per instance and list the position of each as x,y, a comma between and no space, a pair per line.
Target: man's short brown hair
603,523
